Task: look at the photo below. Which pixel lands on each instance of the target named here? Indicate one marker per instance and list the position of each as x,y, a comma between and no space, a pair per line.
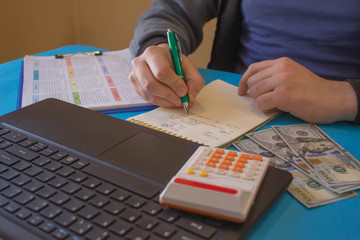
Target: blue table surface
288,218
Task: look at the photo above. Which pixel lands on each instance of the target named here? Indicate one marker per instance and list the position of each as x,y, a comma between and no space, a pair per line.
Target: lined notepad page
218,117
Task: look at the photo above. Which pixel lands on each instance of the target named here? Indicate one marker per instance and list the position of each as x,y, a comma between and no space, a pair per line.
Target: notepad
95,82
218,117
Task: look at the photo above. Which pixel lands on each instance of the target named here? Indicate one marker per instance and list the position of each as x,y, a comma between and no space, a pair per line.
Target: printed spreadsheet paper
95,82
218,117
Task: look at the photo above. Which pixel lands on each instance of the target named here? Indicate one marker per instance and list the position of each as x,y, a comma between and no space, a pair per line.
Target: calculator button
211,164
220,171
203,173
190,171
235,174
195,166
208,169
224,166
238,169
248,177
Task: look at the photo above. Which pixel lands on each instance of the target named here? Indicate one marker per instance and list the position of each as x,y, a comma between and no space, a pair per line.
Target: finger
268,102
263,86
151,89
252,70
163,70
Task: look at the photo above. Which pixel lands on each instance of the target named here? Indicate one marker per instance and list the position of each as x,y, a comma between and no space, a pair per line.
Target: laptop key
97,233
60,233
60,198
88,212
22,165
152,208
22,152
47,226
91,182
147,223
137,233
65,219
74,205
130,215
114,208
169,215
164,230
104,219
12,207
71,188
196,227
81,226
24,198
51,211
8,159
34,185
58,182
33,171
11,191
181,235
120,195
120,227
99,201
9,174
23,213
27,142
35,220
105,188
14,137
135,201
37,204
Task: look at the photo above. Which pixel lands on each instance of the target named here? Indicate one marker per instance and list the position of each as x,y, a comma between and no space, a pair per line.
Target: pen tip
186,107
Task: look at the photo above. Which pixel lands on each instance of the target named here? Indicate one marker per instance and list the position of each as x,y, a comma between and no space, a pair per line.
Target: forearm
183,17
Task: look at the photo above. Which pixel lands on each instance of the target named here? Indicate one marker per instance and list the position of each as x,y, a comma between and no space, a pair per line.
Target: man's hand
285,85
154,78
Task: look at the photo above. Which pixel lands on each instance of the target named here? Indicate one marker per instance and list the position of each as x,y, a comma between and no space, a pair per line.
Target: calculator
217,182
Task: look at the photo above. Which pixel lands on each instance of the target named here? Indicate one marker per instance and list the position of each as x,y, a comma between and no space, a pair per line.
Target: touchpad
150,156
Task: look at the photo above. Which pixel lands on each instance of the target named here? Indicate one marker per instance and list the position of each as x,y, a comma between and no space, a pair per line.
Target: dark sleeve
355,83
185,17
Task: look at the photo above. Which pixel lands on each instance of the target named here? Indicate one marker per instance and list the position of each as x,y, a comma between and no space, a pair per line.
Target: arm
153,75
287,86
186,18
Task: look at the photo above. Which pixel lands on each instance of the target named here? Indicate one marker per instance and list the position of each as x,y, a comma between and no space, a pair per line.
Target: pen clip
96,53
178,46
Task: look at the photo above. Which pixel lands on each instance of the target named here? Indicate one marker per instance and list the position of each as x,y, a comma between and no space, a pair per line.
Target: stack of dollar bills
323,171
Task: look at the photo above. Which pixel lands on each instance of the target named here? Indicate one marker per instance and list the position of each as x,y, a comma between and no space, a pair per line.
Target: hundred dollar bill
326,158
307,191
271,141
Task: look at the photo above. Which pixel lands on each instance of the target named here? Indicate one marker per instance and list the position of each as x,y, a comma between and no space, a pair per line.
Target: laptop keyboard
57,194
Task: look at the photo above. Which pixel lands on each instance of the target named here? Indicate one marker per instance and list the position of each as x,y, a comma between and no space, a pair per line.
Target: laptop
67,172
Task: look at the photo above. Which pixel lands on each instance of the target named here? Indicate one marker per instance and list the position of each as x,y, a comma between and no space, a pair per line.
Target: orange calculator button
242,160
211,164
238,169
227,162
229,157
221,151
239,164
224,166
259,158
232,153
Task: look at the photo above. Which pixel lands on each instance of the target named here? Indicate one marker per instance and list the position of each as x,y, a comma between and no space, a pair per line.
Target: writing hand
286,85
154,78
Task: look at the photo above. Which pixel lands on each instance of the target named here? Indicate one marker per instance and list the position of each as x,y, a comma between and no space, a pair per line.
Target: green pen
176,54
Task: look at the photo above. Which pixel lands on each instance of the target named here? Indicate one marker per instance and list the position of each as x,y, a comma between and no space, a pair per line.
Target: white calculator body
217,182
